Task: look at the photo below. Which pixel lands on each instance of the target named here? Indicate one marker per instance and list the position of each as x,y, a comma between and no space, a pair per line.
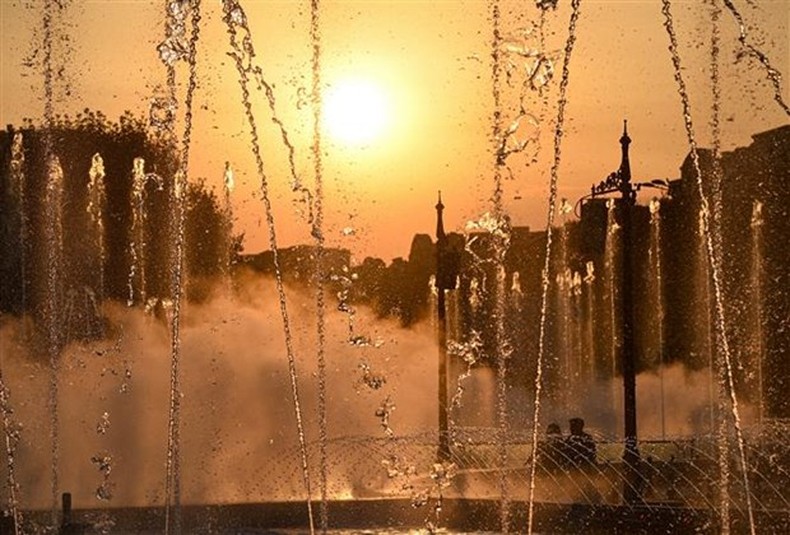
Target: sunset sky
425,67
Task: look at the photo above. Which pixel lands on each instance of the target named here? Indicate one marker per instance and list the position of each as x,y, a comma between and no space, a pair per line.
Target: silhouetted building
71,233
671,282
751,188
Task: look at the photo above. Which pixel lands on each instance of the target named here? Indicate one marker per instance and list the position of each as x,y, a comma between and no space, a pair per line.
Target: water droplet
419,499
104,424
372,380
161,113
229,181
546,4
383,413
104,492
171,50
301,98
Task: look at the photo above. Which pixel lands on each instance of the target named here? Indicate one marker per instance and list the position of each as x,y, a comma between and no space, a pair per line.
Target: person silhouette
580,445
551,448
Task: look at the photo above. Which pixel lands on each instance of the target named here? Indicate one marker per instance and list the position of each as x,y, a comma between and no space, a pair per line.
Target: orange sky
433,58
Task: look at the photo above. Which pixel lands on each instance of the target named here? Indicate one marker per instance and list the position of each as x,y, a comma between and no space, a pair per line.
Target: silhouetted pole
443,453
444,437
620,182
631,492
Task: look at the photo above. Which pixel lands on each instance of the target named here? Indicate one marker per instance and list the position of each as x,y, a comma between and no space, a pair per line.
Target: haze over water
172,376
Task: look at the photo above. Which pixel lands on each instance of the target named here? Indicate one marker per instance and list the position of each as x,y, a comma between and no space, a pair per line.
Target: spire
625,166
440,235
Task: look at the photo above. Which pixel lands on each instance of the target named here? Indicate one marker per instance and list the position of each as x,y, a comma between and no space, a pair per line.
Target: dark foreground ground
391,515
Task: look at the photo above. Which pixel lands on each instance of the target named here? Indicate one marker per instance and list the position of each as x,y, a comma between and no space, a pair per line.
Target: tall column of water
588,291
20,192
758,346
658,301
560,361
137,241
53,234
715,193
500,234
318,236
552,200
11,436
243,55
177,270
173,463
10,430
577,334
97,200
171,50
713,257
704,331
228,184
454,321
563,336
612,299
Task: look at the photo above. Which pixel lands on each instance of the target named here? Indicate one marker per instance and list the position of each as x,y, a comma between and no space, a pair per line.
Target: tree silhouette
100,252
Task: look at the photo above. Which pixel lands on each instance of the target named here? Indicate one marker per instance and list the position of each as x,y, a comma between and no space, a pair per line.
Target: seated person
551,450
580,445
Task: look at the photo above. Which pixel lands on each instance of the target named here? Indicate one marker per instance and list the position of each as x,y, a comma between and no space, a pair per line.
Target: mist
239,439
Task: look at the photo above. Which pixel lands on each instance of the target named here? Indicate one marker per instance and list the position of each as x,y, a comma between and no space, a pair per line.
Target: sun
356,111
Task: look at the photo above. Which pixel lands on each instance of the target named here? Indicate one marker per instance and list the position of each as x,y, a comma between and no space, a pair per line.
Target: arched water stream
196,335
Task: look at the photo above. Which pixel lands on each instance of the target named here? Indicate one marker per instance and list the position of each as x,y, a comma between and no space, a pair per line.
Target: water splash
546,4
371,379
176,22
227,222
137,243
162,112
564,280
441,475
175,46
713,257
575,290
589,338
11,435
613,253
52,314
501,241
383,413
757,300
658,300
47,23
137,239
54,240
716,213
103,462
172,481
525,61
103,425
346,281
470,353
243,55
318,235
20,188
97,202
749,50
545,279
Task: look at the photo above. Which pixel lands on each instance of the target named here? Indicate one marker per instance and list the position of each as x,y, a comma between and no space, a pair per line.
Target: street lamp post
445,280
620,182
